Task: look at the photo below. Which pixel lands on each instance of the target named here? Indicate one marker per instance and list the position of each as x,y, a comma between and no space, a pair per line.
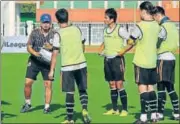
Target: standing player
114,64
74,67
41,37
167,44
144,37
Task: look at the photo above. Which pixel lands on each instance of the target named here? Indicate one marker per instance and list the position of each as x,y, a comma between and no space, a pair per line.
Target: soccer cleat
160,117
111,112
154,121
26,107
67,122
140,122
47,111
86,117
123,113
176,117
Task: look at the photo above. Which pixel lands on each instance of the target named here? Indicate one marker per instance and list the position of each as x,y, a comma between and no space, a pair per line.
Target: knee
48,84
28,83
142,88
112,85
150,88
119,84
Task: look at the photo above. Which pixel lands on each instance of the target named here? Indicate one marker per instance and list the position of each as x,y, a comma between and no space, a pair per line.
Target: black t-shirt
37,40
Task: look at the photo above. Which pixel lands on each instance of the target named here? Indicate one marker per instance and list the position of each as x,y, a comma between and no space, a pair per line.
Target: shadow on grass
53,107
109,106
4,114
5,103
76,116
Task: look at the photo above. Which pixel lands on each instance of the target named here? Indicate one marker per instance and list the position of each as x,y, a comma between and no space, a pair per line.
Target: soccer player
144,37
167,45
39,38
114,64
73,65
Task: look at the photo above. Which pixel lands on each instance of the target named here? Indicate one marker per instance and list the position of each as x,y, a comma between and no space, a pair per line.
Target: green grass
13,73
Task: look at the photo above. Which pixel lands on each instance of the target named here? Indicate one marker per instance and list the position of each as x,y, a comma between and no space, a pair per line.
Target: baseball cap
45,18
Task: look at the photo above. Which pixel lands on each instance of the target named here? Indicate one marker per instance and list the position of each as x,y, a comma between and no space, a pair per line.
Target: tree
28,8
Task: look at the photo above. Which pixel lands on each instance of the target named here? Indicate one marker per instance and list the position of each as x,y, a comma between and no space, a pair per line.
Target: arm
161,37
53,63
48,46
83,43
131,38
83,40
29,47
125,50
101,48
56,47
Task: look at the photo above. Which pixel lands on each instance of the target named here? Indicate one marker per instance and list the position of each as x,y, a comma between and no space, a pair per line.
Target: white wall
17,18
8,17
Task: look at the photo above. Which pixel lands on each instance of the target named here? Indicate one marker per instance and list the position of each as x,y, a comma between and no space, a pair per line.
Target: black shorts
166,70
114,69
145,76
34,67
68,79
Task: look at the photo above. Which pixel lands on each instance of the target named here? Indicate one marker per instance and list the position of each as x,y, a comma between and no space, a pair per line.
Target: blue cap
45,18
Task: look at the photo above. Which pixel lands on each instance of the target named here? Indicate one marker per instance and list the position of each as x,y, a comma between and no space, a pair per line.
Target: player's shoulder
156,23
54,31
35,32
140,23
122,27
105,28
169,22
76,28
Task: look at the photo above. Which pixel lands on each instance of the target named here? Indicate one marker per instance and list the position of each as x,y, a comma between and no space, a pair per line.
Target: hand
47,46
51,75
99,53
130,42
121,52
37,54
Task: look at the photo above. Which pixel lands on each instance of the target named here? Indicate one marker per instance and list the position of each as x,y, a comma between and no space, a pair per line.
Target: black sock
83,98
69,105
153,102
174,101
161,101
123,97
114,97
143,99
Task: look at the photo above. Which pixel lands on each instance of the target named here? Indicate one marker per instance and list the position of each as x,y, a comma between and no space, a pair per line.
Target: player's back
145,53
71,46
170,44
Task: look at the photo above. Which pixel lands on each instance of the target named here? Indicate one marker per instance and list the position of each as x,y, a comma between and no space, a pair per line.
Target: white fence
93,32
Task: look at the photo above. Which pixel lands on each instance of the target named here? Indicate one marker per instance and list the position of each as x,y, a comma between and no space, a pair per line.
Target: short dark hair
62,15
148,6
111,13
158,9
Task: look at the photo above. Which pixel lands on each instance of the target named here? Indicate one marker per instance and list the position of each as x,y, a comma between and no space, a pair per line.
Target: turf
12,83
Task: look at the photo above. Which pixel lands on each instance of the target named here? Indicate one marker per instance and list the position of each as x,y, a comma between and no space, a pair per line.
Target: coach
40,39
